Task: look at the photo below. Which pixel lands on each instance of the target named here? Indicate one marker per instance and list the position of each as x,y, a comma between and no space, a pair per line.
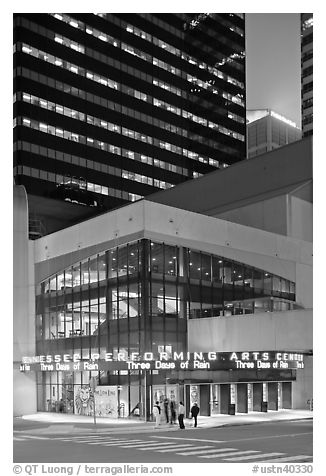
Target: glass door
215,399
250,401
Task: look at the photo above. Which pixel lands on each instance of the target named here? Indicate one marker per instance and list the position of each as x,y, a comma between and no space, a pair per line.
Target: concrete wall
269,215
24,391
304,285
275,253
285,214
302,388
300,219
291,330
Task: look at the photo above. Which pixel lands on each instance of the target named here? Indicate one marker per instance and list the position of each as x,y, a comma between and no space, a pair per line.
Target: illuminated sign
165,361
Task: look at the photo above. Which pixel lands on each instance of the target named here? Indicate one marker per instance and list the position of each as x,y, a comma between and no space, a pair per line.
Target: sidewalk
64,423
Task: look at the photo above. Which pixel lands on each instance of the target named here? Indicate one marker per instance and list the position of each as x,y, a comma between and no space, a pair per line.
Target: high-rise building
268,130
109,108
307,73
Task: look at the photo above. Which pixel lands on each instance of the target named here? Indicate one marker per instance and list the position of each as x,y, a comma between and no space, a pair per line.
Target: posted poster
84,402
194,395
106,401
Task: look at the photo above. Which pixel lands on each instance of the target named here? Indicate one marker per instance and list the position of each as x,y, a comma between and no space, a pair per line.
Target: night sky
274,63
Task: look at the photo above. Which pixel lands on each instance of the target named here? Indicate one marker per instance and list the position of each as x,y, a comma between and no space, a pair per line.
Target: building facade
109,108
307,73
268,130
149,301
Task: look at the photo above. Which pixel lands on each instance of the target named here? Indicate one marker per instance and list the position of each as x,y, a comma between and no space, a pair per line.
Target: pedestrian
194,413
61,406
157,414
173,412
166,409
181,416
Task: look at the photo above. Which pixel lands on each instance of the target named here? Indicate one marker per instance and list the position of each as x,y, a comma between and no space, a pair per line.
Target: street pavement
55,422
266,441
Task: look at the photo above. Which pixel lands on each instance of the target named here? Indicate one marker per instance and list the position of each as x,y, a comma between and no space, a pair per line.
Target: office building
109,108
307,73
268,130
165,297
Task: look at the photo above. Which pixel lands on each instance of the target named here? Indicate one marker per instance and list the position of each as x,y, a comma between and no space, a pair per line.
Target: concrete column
24,391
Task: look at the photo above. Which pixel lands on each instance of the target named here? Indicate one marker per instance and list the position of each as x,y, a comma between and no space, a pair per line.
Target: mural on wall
106,401
84,401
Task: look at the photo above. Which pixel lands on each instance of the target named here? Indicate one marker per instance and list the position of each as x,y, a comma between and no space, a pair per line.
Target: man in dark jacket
194,413
166,409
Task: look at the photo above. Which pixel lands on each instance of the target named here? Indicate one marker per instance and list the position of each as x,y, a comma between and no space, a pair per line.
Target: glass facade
137,298
177,104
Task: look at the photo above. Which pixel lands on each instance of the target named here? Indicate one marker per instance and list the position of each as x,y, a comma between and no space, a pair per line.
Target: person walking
157,414
172,412
194,413
166,409
181,416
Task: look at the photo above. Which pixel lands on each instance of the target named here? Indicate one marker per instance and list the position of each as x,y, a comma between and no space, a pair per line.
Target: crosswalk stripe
289,458
121,442
147,444
37,437
118,443
189,439
96,442
207,451
92,437
221,455
166,447
113,440
182,448
264,455
16,438
124,443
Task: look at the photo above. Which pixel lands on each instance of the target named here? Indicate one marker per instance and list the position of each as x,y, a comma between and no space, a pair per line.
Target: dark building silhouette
307,73
109,108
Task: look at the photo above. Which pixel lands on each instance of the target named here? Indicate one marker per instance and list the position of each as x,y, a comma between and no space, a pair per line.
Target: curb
58,429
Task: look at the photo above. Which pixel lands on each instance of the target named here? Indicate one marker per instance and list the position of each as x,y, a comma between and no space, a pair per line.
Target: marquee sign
165,361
